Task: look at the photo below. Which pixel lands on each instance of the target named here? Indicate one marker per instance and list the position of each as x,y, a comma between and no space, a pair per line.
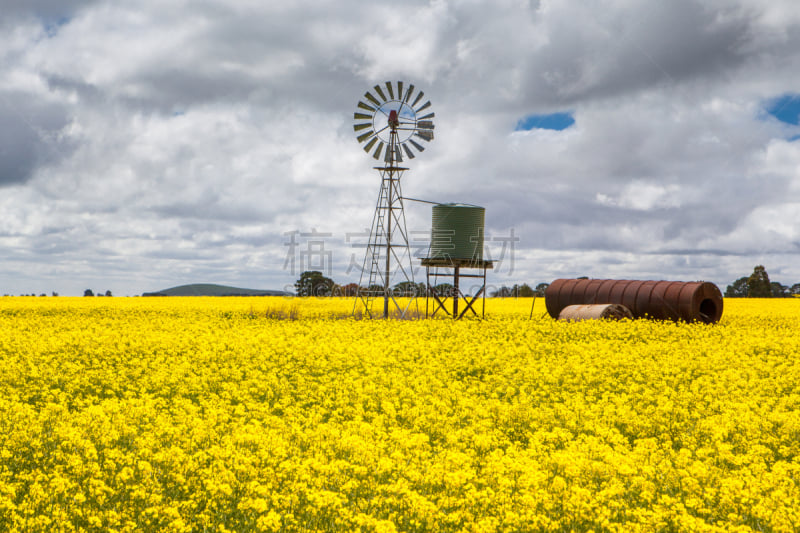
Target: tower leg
427,288
456,293
483,305
387,283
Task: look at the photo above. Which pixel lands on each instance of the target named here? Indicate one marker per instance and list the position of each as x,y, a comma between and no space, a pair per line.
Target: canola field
272,414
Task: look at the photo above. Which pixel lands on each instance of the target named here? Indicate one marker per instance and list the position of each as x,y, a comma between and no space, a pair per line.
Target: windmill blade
425,134
405,113
364,136
370,144
391,99
408,93
426,105
416,145
368,96
377,153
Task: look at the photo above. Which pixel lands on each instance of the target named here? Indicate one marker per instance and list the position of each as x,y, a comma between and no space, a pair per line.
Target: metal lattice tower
392,122
387,261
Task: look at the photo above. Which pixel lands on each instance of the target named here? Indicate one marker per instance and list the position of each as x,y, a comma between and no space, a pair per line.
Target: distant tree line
314,283
520,291
32,294
87,292
758,285
90,292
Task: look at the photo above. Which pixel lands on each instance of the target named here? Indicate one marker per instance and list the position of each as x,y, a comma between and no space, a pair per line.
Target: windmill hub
394,123
391,119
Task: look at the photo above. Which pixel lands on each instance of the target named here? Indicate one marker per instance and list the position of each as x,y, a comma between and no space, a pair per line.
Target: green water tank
457,232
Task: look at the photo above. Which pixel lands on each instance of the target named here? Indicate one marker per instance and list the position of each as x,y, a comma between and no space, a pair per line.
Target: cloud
32,136
51,13
152,145
642,196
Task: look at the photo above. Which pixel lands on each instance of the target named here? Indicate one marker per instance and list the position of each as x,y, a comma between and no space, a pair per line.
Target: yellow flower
271,414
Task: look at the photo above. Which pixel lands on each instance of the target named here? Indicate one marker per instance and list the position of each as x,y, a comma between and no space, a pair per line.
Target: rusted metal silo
692,301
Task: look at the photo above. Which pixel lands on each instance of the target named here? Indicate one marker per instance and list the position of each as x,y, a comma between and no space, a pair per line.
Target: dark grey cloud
51,14
210,210
67,85
220,53
594,53
543,58
31,136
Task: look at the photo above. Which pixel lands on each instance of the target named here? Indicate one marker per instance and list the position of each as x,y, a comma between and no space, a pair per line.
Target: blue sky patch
553,121
53,25
786,108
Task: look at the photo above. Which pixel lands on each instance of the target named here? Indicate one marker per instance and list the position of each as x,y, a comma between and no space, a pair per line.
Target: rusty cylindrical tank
692,301
576,313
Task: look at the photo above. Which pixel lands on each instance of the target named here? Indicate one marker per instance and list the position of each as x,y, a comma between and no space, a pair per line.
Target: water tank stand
452,268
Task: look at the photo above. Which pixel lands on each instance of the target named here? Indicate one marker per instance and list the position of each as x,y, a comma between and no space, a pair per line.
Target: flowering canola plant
272,414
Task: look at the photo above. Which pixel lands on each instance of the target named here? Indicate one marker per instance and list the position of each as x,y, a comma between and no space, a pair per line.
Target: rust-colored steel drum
592,289
645,294
604,292
691,301
565,295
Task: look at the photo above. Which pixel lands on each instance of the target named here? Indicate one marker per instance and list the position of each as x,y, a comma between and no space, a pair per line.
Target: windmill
392,121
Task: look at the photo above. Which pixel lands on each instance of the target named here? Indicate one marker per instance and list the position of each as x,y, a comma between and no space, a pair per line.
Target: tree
108,293
373,290
409,288
795,288
758,283
523,291
351,289
540,288
519,291
445,289
778,290
502,292
88,292
737,289
313,283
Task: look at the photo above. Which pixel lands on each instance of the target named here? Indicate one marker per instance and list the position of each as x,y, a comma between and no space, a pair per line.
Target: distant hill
209,289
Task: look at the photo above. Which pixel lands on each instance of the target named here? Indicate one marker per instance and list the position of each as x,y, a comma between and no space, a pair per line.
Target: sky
147,144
